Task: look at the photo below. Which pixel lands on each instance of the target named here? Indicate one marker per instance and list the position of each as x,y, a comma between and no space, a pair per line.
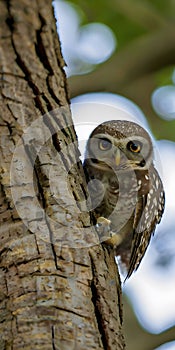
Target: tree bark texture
59,288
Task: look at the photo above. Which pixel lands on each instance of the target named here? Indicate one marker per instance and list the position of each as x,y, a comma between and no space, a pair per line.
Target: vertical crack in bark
41,193
66,136
53,338
42,55
47,119
106,310
111,253
96,302
120,306
48,225
40,51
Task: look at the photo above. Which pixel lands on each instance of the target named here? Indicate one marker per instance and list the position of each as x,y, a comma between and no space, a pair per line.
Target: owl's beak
117,157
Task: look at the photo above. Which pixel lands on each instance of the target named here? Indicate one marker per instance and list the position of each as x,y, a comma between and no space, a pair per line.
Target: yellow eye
134,146
105,144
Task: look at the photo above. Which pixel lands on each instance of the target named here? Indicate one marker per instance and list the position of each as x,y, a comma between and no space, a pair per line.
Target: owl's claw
105,233
101,221
103,228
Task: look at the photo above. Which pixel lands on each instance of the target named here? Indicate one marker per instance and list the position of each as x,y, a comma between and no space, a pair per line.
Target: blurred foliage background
144,58
140,66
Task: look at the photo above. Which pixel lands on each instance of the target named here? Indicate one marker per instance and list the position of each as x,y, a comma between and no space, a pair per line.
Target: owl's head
120,145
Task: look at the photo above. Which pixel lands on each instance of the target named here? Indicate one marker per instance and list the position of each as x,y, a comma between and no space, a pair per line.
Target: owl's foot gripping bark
103,227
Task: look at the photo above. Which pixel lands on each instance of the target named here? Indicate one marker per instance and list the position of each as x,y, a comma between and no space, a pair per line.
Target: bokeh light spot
96,42
163,101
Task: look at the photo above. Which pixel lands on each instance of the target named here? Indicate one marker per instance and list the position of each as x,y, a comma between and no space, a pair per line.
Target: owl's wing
148,213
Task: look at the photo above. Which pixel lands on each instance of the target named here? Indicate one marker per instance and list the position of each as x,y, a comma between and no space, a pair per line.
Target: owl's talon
103,228
101,221
112,234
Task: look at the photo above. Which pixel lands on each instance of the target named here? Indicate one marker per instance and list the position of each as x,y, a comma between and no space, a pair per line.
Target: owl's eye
105,144
134,146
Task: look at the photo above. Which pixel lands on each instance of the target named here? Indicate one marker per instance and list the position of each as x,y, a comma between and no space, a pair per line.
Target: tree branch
142,56
142,13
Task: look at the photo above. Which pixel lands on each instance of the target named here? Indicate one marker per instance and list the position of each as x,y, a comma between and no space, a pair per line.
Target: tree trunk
59,288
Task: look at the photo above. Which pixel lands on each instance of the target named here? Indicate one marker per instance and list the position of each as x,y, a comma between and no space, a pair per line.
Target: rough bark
59,288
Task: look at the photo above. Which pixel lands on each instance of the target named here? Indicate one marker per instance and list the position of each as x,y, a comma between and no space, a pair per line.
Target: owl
126,193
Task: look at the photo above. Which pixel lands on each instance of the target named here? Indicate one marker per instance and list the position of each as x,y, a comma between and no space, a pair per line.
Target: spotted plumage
126,192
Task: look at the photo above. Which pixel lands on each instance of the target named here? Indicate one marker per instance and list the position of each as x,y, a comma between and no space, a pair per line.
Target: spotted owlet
126,192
